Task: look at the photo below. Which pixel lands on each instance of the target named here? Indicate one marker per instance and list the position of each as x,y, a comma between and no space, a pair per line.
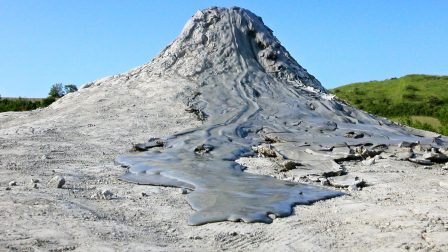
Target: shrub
56,91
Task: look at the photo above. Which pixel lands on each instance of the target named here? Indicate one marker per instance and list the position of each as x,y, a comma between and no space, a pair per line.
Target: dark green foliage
47,101
19,104
56,91
70,88
23,104
403,97
411,88
410,96
434,101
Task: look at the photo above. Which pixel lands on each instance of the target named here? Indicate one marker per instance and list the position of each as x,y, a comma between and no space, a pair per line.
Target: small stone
314,177
233,233
12,183
266,150
325,182
8,188
352,134
445,167
144,194
346,181
289,165
435,156
203,149
272,216
57,181
151,143
183,190
35,180
43,157
406,144
106,194
422,148
35,186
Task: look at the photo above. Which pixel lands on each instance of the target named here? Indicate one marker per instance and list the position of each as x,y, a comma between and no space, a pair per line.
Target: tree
56,91
70,88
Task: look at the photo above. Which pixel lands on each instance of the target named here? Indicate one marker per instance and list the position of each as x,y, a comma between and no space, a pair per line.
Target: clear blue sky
77,41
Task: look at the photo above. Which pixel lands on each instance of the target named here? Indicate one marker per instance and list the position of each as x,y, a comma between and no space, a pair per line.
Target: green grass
23,104
433,121
419,101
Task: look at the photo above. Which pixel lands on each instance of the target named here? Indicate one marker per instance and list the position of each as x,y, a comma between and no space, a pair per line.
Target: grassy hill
420,101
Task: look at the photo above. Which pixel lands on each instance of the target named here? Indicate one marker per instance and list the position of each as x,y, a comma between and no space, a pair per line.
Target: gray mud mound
253,98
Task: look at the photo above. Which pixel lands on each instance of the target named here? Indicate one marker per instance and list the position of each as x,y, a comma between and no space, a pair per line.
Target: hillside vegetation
420,101
24,104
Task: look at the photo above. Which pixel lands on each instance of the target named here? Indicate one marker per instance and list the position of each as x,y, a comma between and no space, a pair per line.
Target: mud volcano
253,99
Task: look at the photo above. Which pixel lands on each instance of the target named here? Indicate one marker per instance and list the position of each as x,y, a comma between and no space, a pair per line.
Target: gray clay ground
404,207
397,205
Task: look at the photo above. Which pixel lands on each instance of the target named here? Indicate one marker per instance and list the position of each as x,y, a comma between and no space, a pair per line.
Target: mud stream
245,107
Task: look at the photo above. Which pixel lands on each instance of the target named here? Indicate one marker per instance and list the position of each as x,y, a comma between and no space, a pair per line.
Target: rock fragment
422,148
105,194
57,181
203,149
288,165
183,190
324,182
406,144
152,143
314,177
370,151
346,181
12,183
445,167
199,113
420,161
353,134
266,150
435,156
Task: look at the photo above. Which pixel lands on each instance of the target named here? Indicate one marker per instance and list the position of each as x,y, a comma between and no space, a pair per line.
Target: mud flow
254,99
